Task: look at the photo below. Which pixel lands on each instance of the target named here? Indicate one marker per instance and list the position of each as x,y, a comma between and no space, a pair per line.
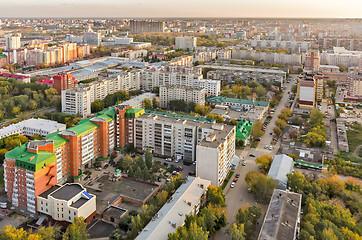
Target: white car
266,147
177,160
168,160
270,148
232,185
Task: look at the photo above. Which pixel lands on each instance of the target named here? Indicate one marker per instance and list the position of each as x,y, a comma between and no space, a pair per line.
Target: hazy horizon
184,9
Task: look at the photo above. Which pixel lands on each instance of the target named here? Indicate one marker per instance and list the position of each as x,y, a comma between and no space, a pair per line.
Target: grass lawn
227,179
354,135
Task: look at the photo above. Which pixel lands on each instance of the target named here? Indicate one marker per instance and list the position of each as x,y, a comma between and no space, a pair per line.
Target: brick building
63,81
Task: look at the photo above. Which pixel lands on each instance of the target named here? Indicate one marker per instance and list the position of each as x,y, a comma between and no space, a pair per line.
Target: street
239,196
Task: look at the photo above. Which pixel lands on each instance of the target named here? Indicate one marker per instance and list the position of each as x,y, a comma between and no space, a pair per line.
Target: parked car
251,155
235,179
237,175
179,168
177,160
192,173
244,163
270,148
266,146
106,166
168,159
165,164
87,177
232,185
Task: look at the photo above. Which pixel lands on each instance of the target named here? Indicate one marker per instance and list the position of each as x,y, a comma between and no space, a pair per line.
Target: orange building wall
10,168
42,177
103,139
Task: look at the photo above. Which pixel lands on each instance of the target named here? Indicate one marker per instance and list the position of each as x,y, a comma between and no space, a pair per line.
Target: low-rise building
32,126
235,102
282,219
187,200
64,203
280,167
243,130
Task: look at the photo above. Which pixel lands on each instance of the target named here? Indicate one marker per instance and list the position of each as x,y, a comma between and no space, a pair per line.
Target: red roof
48,81
16,76
307,83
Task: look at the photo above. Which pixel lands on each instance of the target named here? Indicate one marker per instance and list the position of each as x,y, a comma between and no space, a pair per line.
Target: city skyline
188,8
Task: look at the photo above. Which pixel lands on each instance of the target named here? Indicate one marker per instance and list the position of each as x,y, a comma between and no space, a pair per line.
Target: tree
177,105
97,106
127,162
147,104
281,124
342,68
202,110
247,91
161,198
277,131
260,91
2,155
296,182
215,195
256,130
315,140
248,217
315,118
263,187
297,120
11,233
15,111
148,158
155,103
264,162
236,232
77,230
219,119
332,185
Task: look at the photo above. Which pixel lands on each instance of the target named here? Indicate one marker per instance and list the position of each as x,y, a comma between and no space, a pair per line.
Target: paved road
239,196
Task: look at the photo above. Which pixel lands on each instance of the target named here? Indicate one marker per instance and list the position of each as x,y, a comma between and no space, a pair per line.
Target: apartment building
215,153
204,56
65,203
32,126
136,54
223,54
152,79
212,87
178,92
186,43
310,90
292,46
78,100
187,200
312,60
181,61
354,85
63,81
35,167
268,57
12,41
92,38
142,26
341,56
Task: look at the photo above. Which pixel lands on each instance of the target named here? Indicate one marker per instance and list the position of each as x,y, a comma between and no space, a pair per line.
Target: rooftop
217,136
280,167
242,69
84,127
67,191
183,202
236,100
136,101
243,129
176,115
282,217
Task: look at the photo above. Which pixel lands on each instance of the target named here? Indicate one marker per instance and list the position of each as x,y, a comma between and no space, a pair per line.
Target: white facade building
78,100
212,87
12,41
186,43
32,126
293,46
177,92
65,203
279,58
215,153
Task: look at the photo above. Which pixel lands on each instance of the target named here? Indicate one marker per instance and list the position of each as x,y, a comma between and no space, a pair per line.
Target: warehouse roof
236,100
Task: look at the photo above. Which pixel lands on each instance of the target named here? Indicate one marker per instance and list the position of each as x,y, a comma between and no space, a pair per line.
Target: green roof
58,140
243,129
134,112
308,164
2,56
28,160
236,100
175,115
84,127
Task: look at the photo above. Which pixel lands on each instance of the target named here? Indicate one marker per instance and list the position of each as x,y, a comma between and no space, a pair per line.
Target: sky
184,8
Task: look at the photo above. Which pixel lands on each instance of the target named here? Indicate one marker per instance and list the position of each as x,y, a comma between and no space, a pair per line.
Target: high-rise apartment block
12,41
186,43
142,26
187,94
310,90
215,153
78,100
312,60
63,81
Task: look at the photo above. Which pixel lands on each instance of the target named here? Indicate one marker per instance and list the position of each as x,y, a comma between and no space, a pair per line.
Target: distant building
292,46
215,153
65,203
186,43
63,81
19,77
187,200
282,219
310,90
32,126
92,38
280,167
145,26
354,85
235,102
12,41
188,94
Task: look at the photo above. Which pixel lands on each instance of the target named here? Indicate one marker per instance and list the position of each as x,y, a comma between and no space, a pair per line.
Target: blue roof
87,195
